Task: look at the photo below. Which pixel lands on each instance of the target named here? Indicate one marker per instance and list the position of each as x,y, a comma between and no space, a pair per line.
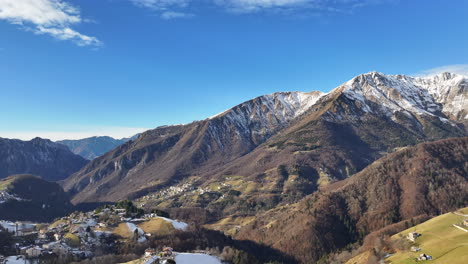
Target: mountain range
277,148
42,157
303,175
93,147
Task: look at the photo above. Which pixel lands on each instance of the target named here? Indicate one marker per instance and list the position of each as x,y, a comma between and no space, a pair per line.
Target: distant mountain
427,179
51,161
93,147
278,148
30,198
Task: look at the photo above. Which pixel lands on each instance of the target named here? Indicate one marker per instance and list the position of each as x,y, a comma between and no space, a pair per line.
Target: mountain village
81,234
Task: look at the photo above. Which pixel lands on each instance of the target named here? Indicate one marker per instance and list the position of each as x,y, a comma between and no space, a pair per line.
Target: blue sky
76,68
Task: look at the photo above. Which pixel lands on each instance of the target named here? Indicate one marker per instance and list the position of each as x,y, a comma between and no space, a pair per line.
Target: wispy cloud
254,6
115,132
161,4
456,68
50,17
167,9
173,15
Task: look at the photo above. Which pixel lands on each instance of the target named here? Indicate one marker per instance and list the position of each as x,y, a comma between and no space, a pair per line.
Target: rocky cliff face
41,157
275,148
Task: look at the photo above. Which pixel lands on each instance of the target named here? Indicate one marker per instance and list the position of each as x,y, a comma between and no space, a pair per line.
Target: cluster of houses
412,237
182,188
77,235
53,241
163,257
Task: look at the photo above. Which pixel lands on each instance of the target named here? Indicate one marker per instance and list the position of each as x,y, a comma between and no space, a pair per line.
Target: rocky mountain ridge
313,136
38,156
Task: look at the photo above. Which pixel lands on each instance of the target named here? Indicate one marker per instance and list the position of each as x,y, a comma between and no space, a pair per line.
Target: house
57,236
167,251
57,248
22,250
42,234
34,252
150,252
415,249
465,222
423,257
413,235
61,250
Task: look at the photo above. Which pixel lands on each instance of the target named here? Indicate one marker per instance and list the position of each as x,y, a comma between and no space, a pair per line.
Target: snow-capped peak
446,92
257,119
290,104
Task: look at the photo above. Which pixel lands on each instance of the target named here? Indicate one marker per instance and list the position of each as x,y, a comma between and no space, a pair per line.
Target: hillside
411,182
166,154
274,149
93,147
334,139
42,157
30,198
439,239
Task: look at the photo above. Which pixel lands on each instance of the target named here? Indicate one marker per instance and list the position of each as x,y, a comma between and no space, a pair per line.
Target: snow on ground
141,233
17,260
176,224
195,258
103,233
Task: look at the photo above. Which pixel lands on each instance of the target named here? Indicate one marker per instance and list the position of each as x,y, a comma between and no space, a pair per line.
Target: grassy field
5,183
72,240
123,231
361,258
229,225
440,239
157,226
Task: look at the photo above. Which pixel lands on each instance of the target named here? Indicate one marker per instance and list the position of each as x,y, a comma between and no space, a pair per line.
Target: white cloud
250,6
456,68
161,4
173,15
167,9
115,132
253,6
51,17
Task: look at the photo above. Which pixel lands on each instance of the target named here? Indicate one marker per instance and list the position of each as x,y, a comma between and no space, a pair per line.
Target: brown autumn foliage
427,179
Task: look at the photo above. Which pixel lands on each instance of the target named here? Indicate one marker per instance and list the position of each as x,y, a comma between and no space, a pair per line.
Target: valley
288,177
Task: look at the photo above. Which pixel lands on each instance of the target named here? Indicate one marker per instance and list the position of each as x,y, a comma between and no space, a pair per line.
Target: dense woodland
428,179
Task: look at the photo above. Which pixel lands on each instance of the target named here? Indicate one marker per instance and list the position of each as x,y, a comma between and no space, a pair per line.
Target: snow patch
196,258
176,224
141,233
